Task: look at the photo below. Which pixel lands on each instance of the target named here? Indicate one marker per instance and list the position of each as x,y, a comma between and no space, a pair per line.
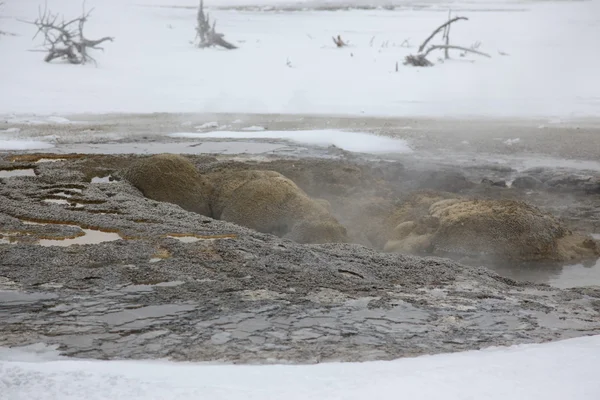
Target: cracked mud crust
180,285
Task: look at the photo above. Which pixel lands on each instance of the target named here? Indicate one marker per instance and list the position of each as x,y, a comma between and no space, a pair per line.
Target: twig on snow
339,42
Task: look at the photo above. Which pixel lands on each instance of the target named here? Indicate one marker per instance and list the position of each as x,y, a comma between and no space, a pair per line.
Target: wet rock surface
180,285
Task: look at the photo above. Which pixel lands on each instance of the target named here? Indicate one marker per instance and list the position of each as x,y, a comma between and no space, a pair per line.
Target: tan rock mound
173,179
269,202
438,224
262,200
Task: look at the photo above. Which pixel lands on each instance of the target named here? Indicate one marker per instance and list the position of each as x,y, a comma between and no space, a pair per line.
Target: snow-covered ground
553,371
287,62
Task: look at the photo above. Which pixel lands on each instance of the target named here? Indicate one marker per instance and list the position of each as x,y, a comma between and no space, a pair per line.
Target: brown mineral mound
262,200
269,202
173,179
439,224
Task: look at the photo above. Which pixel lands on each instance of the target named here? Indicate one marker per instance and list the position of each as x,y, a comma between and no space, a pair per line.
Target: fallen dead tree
420,59
206,36
65,39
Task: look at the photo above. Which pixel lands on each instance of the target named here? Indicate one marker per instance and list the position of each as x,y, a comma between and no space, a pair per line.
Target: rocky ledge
147,279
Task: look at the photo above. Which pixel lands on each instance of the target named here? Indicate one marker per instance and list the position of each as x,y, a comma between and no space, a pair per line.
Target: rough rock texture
565,180
439,223
181,285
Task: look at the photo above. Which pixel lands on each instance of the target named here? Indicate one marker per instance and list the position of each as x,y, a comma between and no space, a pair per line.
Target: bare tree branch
65,39
206,34
439,29
420,59
465,49
447,36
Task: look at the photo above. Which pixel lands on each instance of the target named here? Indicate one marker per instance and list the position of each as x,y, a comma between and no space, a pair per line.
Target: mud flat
145,279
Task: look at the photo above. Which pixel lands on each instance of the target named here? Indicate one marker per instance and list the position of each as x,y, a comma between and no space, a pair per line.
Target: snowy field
287,62
553,371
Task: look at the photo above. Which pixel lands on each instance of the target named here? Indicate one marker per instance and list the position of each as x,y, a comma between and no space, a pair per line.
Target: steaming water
561,276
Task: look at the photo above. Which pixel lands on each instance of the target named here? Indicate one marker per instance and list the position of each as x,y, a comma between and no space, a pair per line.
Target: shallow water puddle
14,297
565,276
66,194
44,160
9,173
185,239
104,179
577,275
63,202
91,236
56,201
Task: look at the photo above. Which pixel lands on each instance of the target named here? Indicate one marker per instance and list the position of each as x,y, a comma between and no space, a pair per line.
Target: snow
14,144
552,371
208,125
34,120
254,128
10,130
152,66
350,141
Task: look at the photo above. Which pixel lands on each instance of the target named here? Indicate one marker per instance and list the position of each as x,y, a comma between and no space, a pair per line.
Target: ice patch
11,145
350,141
254,128
33,120
207,125
551,371
510,142
58,120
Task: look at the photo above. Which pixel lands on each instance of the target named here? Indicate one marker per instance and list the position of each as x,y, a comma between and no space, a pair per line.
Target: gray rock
244,296
527,182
